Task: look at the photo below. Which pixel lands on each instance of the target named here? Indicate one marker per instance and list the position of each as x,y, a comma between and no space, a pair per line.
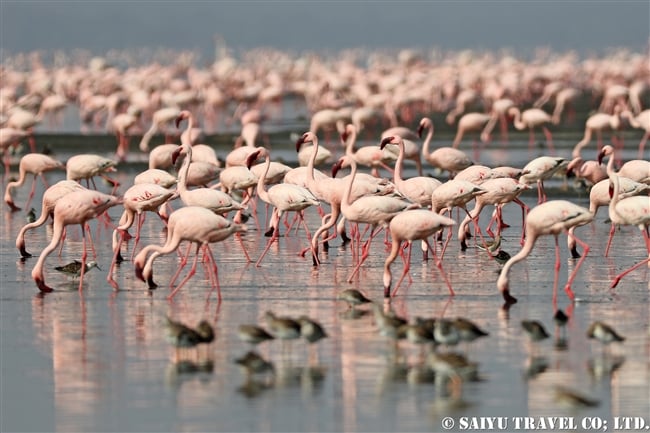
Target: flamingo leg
642,262
365,252
31,193
141,217
642,144
272,239
572,277
84,254
407,266
609,239
181,265
215,272
189,275
549,140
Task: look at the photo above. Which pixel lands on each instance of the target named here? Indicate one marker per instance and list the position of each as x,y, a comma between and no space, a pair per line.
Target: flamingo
411,149
498,192
156,176
445,158
9,137
416,189
36,164
372,210
161,156
26,121
410,225
531,119
87,165
194,224
122,124
598,123
629,211
499,113
50,198
138,199
284,198
538,170
248,135
637,169
77,207
641,121
470,122
591,171
159,119
369,156
549,218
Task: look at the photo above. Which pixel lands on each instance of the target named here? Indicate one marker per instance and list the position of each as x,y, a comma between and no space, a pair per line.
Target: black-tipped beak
299,143
420,129
384,142
175,154
336,167
252,158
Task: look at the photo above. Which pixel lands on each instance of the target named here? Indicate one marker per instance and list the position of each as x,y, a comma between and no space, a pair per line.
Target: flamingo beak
601,155
252,158
344,136
420,129
299,143
385,141
176,154
336,167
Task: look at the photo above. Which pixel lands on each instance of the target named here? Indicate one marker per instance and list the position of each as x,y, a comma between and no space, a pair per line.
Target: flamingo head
252,158
304,138
349,130
394,139
611,190
607,150
182,116
176,153
337,166
424,123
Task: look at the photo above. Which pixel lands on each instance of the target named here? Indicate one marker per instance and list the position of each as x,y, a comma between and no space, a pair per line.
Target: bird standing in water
74,268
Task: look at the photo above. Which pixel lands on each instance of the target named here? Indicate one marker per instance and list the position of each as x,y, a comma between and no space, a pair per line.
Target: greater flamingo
629,211
549,218
77,207
641,121
36,164
530,119
411,225
194,224
284,198
50,197
444,158
540,169
159,120
598,123
372,210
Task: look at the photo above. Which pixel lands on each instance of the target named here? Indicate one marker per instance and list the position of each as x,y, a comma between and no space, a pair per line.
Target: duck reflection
183,371
604,366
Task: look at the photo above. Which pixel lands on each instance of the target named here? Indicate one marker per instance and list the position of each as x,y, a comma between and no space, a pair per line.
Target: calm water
99,361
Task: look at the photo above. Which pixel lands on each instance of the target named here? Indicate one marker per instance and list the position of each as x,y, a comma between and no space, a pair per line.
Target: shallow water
98,360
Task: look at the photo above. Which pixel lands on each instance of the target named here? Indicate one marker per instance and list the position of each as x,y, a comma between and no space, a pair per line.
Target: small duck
604,333
572,399
253,334
311,330
535,330
467,330
490,246
445,332
182,337
74,268
502,257
353,297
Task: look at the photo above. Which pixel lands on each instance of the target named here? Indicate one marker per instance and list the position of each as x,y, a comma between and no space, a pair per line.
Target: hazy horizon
588,28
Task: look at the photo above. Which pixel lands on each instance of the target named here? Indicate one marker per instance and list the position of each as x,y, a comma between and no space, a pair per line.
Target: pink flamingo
470,122
77,207
531,119
122,124
284,198
549,218
327,189
87,165
50,198
411,225
138,199
369,156
498,192
417,189
161,156
411,148
591,171
641,121
10,137
194,224
445,158
25,121
538,170
160,118
598,123
499,112
372,210
248,135
156,176
36,164
637,169
629,211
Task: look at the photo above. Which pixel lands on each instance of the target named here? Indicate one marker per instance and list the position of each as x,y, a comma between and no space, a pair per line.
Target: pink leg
642,144
609,240
84,254
627,271
181,265
189,274
407,267
31,192
141,217
365,253
531,139
272,239
572,277
215,272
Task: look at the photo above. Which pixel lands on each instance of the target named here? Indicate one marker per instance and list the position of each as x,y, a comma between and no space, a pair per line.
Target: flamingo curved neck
261,192
517,120
397,175
427,140
345,201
